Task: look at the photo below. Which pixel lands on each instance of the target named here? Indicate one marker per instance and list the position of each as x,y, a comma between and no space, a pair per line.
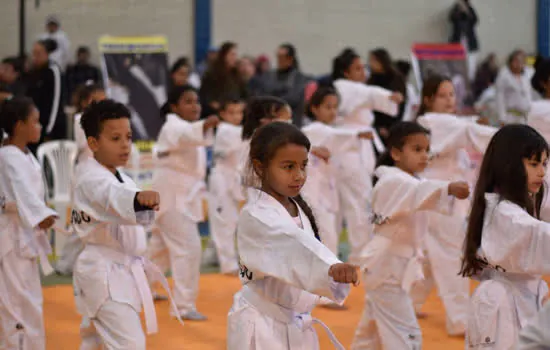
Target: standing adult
287,81
45,88
247,72
222,82
464,20
82,71
62,54
385,75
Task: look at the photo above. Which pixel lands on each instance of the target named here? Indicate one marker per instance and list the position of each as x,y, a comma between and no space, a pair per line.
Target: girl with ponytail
284,267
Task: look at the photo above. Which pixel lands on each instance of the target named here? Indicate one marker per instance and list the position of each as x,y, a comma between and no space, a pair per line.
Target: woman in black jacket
46,90
385,75
222,82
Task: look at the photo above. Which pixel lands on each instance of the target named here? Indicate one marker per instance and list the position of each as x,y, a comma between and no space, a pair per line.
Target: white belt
296,323
141,268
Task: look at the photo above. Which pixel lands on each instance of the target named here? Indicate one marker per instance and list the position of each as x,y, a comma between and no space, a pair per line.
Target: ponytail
309,213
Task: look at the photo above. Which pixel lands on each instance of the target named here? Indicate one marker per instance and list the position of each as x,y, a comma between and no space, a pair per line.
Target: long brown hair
502,172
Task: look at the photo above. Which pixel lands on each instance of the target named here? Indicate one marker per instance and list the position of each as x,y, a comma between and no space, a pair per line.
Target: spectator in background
62,54
11,75
486,75
513,90
464,20
287,82
263,65
45,88
221,82
182,74
81,72
247,72
208,61
385,75
413,98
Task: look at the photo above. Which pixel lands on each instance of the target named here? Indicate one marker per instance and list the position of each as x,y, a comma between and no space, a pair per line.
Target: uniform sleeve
193,135
31,208
500,87
535,335
227,140
398,196
110,201
516,241
377,99
356,96
287,253
79,135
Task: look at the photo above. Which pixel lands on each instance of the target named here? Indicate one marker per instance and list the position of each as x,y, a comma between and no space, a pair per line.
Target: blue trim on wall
543,28
202,28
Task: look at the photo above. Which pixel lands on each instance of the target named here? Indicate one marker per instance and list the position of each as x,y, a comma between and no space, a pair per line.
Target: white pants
21,315
492,320
388,321
72,248
443,244
326,222
117,326
354,210
249,329
180,238
223,214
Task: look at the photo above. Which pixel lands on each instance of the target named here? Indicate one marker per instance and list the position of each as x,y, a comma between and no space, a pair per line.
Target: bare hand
459,189
10,207
321,152
344,273
483,121
396,97
367,135
211,122
149,199
47,222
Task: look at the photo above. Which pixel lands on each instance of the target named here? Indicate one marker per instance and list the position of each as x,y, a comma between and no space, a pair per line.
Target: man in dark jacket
464,20
288,82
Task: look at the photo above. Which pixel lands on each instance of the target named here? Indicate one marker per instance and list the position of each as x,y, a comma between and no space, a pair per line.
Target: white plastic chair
61,157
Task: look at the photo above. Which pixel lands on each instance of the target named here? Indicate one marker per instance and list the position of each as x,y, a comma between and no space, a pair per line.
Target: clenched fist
149,199
344,273
459,189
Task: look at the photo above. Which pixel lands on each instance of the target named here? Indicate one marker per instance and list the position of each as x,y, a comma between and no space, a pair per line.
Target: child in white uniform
23,240
85,95
225,185
451,138
357,101
506,246
391,261
284,267
320,190
111,277
179,177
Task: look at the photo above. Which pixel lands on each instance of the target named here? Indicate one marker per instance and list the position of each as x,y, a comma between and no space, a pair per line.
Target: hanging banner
136,72
445,59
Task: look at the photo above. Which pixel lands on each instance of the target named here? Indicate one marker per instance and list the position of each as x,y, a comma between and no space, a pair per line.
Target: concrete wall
321,28
318,28
86,20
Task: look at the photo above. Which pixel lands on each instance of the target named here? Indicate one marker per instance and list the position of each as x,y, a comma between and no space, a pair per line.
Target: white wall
321,28
86,20
318,28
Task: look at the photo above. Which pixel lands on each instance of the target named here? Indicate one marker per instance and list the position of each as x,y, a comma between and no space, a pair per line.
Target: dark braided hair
265,143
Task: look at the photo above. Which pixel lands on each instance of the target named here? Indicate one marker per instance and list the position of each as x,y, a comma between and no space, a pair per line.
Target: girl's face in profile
535,170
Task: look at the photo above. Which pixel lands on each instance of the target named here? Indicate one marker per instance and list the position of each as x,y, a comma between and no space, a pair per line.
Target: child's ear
258,168
93,144
395,154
